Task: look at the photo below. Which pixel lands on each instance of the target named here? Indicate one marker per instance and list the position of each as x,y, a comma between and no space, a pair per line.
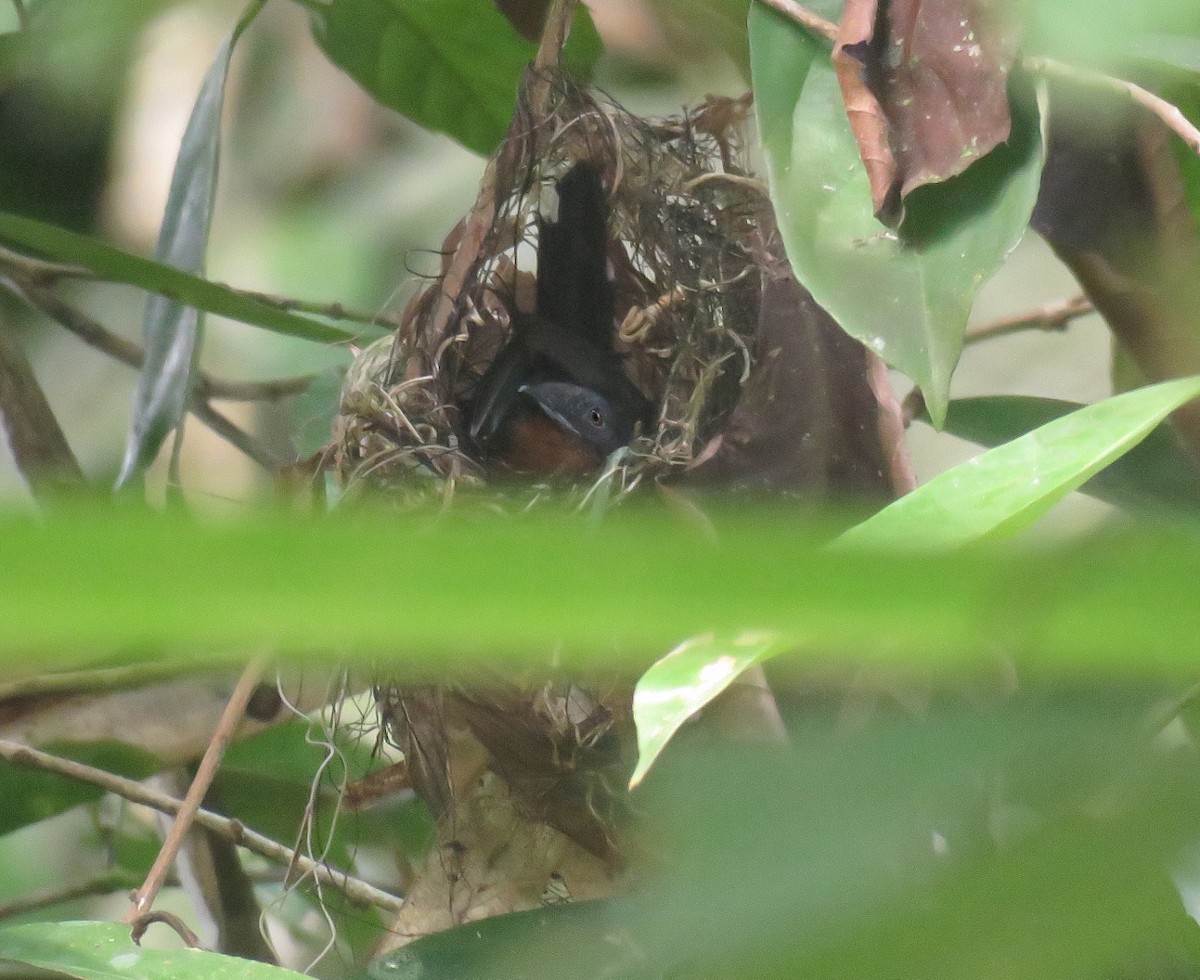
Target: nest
687,257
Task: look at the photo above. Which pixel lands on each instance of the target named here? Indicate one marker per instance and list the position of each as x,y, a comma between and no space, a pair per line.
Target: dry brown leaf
925,86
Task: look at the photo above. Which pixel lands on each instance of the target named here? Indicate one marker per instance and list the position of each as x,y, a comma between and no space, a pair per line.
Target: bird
556,400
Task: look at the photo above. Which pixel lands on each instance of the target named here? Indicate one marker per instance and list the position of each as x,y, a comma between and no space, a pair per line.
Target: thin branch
1168,114
132,355
232,433
231,718
81,681
1055,315
334,311
104,885
804,17
353,888
36,440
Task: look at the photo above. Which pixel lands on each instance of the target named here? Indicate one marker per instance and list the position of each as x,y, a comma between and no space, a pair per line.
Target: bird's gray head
588,414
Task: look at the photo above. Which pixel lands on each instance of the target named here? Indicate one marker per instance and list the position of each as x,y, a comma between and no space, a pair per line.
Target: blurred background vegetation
327,196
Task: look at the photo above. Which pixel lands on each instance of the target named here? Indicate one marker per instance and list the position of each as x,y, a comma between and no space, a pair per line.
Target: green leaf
452,66
687,679
1008,488
907,298
1154,477
172,330
104,951
484,589
115,265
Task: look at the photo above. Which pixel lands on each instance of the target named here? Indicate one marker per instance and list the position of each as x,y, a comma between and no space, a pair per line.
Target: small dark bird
556,400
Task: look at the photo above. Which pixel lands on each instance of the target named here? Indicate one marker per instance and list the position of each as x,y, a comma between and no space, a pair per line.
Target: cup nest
687,256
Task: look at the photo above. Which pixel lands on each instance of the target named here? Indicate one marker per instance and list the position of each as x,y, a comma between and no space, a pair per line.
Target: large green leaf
115,265
1154,477
487,589
104,951
1008,488
906,297
451,65
171,329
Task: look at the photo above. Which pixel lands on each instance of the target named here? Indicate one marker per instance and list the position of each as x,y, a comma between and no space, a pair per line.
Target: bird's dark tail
573,288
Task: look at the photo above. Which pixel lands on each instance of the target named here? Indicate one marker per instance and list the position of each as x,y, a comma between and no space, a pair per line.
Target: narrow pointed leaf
687,679
906,296
114,265
1008,488
104,951
172,330
1156,476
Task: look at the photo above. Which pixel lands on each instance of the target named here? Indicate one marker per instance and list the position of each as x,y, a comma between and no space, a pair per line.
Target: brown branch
804,17
35,438
334,311
1168,114
232,830
231,718
132,355
232,433
554,34
104,885
79,681
144,921
1056,315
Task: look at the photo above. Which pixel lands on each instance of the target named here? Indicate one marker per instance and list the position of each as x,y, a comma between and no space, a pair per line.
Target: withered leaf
925,88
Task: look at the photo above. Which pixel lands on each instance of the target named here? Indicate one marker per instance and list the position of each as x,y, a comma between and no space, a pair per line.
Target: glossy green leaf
452,66
1008,488
115,265
687,679
1155,477
104,951
906,297
172,330
432,592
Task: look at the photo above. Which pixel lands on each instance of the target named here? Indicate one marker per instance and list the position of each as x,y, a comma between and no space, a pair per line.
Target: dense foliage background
989,685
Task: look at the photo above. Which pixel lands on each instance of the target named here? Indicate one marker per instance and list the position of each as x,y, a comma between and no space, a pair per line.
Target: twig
233,434
231,718
131,354
1055,315
35,438
80,681
104,885
804,17
147,919
334,311
353,888
1168,114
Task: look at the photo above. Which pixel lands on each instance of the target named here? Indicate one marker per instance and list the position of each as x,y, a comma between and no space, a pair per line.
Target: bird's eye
596,417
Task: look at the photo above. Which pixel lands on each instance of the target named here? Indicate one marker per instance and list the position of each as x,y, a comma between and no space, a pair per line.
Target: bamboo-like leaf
1008,488
172,330
114,265
104,951
687,679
